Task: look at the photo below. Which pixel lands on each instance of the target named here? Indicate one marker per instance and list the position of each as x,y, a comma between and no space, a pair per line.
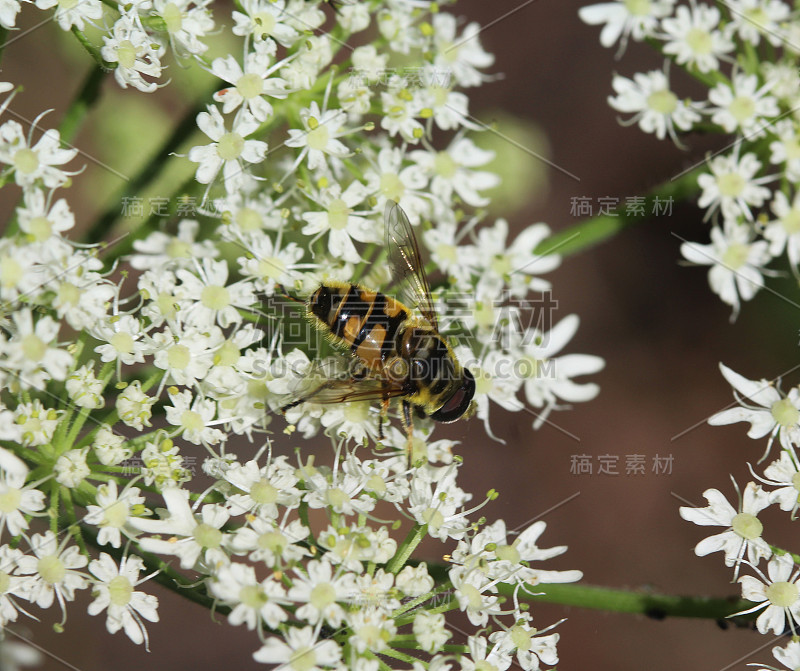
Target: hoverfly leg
384,414
408,425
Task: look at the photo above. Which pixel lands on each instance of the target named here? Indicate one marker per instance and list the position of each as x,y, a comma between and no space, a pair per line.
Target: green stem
657,606
597,229
147,174
87,96
408,546
94,52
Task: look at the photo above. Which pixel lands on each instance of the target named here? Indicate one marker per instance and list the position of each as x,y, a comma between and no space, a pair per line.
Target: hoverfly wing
339,381
405,262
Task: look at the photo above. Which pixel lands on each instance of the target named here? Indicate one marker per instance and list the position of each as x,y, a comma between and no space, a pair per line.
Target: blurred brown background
657,325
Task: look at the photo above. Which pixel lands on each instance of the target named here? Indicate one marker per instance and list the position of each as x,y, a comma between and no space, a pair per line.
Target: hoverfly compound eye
458,403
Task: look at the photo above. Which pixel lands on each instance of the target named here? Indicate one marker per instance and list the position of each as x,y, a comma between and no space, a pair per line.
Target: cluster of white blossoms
745,53
121,373
775,587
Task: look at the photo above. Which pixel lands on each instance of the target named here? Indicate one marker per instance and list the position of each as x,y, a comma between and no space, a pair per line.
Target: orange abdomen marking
366,321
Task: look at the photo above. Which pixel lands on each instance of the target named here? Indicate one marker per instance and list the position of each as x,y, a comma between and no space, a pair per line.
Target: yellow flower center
747,526
664,102
230,146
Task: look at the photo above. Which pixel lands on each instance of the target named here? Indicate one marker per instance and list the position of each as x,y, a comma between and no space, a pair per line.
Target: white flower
531,646
41,218
109,447
459,261
299,650
268,264
437,502
754,18
229,151
783,233
35,424
783,473
159,249
391,178
476,595
548,378
124,338
54,569
494,381
342,221
8,13
34,162
429,630
69,14
194,418
743,106
653,104
274,544
402,111
319,136
209,296
114,591
452,170
18,501
414,581
789,656
693,37
13,586
32,354
341,492
462,55
71,468
135,406
321,593
743,532
186,24
736,263
113,513
183,535
733,186
84,389
779,595
136,53
187,353
624,18
785,149
81,295
249,84
261,491
267,21
513,267
252,601
773,413
372,629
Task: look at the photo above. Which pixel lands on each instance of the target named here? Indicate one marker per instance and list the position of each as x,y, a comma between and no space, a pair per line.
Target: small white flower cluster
181,349
771,414
745,53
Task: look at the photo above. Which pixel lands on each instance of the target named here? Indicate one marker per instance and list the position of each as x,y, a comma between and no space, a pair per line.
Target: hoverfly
396,355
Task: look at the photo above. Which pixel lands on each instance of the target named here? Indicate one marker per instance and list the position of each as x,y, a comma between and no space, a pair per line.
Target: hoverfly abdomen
368,322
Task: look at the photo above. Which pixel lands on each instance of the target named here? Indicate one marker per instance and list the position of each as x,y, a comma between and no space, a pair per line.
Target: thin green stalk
657,606
595,230
94,52
408,546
